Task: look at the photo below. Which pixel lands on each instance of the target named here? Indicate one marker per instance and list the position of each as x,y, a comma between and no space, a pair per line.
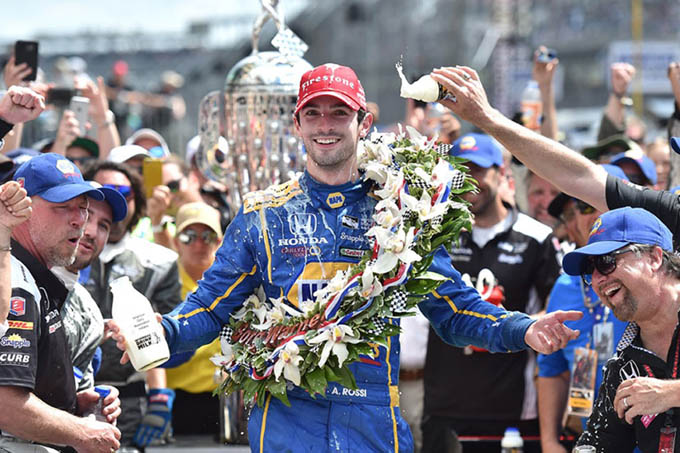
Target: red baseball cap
331,80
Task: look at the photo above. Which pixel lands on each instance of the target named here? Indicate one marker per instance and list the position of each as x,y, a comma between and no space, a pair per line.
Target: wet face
489,180
330,132
539,195
96,234
56,229
620,290
116,178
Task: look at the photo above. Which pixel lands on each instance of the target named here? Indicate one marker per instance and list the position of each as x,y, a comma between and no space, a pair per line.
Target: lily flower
420,141
333,287
335,337
370,285
388,215
393,185
254,304
424,206
288,363
442,173
227,357
396,247
377,172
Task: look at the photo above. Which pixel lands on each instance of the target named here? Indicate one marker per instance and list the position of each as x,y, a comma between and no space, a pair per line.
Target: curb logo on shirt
15,359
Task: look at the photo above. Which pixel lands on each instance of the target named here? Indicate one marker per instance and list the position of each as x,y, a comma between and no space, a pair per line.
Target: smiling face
489,180
622,289
539,195
118,229
56,229
95,236
330,131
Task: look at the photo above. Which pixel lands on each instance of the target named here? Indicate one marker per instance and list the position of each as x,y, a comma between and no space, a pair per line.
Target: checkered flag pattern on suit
289,43
397,301
226,333
378,326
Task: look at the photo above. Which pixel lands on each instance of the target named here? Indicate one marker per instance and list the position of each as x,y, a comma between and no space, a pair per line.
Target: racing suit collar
112,250
332,197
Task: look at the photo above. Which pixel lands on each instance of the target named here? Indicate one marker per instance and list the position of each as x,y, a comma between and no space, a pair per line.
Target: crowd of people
558,315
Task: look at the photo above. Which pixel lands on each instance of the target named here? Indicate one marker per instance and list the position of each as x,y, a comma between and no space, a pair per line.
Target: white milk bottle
145,339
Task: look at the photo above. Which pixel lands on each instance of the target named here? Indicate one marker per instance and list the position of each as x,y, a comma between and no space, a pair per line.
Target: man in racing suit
292,238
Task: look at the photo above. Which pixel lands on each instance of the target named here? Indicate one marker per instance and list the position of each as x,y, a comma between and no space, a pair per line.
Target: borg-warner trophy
259,147
254,114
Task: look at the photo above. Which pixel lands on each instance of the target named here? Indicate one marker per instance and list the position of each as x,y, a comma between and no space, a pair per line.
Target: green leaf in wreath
346,378
278,389
422,286
316,381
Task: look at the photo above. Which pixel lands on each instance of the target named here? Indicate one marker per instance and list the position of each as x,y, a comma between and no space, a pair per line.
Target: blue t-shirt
567,295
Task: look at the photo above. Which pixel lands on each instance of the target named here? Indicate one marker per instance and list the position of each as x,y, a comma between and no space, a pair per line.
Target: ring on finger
466,76
625,403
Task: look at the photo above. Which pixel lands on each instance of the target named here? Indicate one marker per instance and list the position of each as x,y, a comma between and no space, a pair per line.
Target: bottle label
148,340
531,114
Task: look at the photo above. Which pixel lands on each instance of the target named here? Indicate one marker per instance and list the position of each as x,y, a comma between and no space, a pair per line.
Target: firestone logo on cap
333,80
468,143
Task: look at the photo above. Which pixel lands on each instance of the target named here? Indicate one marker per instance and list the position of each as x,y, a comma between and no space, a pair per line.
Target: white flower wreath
420,209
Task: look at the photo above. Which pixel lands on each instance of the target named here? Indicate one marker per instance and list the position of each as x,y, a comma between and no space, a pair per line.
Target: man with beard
629,262
83,320
40,405
290,240
519,257
153,272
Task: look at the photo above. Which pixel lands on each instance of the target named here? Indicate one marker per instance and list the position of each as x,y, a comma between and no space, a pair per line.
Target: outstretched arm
566,169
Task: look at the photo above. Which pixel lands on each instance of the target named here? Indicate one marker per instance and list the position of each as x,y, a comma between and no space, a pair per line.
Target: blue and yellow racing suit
290,239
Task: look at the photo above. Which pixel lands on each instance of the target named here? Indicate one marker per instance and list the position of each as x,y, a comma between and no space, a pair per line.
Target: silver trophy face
254,115
261,149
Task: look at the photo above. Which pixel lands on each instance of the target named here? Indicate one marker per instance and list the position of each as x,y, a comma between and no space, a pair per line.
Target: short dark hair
135,183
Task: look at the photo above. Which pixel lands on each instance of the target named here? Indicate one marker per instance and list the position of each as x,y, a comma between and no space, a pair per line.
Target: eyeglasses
188,236
605,264
125,191
581,206
82,160
174,185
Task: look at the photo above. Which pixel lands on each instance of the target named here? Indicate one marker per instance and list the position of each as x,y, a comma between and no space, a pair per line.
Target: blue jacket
291,239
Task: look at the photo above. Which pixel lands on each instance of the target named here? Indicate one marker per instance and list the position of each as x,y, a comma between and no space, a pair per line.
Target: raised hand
21,104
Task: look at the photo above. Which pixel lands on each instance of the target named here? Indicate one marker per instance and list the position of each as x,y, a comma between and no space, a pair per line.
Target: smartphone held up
27,52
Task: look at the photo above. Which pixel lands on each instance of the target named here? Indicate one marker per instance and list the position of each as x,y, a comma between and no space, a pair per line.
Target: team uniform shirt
291,239
662,203
470,384
34,353
84,327
567,295
605,430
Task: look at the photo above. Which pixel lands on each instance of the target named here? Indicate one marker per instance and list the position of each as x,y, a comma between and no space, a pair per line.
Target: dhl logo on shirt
20,325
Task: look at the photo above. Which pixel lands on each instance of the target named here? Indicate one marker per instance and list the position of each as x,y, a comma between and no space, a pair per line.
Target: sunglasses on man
605,264
580,206
125,191
188,236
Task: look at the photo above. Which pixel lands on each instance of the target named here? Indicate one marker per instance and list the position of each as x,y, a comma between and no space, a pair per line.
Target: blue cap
480,149
636,156
54,178
675,190
616,229
21,155
115,199
675,144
